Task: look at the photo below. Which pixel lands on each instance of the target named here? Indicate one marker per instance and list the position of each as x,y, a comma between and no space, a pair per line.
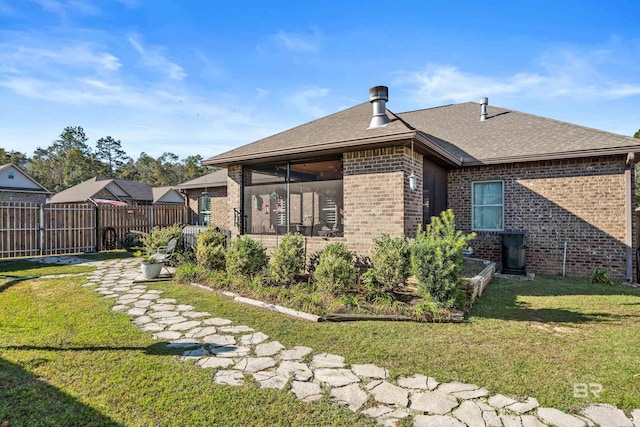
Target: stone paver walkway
237,351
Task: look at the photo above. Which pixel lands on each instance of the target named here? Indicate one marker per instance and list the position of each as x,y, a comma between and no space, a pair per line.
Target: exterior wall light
413,181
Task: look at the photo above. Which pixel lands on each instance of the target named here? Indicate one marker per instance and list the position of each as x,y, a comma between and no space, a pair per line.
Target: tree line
70,160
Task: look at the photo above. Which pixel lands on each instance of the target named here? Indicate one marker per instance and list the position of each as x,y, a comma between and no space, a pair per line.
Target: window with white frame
204,209
487,212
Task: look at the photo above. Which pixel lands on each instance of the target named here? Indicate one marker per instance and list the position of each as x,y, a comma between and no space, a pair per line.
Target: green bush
160,237
187,272
391,261
436,259
210,248
288,259
246,257
335,274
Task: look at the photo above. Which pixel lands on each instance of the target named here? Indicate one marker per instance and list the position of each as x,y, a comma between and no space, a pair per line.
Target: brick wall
219,205
234,197
578,201
377,198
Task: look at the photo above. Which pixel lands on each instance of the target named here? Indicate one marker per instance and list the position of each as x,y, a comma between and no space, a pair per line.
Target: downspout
628,208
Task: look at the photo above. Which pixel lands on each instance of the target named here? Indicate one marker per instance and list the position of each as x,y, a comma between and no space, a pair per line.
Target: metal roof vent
378,96
483,108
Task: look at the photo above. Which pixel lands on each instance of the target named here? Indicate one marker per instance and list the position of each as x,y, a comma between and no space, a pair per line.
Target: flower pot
151,270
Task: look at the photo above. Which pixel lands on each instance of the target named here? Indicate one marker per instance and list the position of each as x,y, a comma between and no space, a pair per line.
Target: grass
59,342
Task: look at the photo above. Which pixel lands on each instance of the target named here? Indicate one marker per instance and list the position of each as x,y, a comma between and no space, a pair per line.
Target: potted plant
150,266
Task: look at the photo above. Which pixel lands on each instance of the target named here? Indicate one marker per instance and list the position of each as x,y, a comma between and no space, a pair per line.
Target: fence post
97,233
41,229
150,219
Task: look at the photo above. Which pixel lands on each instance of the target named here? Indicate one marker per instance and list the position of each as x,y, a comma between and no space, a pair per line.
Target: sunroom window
303,197
488,206
204,209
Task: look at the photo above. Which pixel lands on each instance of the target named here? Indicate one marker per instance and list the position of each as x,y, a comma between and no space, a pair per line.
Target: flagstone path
236,351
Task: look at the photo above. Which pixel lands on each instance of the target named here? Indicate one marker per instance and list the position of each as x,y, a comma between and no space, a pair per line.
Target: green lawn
66,359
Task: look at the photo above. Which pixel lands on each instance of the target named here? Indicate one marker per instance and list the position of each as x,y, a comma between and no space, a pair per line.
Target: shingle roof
213,179
80,192
38,188
137,190
453,133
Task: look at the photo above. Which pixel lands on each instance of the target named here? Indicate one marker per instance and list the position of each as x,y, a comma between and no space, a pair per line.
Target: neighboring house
207,199
17,186
359,173
118,192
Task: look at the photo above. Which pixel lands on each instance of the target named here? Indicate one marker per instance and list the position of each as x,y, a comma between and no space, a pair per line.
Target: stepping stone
391,419
184,307
270,379
419,382
523,407
196,353
167,335
326,360
499,401
558,418
297,370
166,301
455,386
307,392
635,414
163,307
195,314
268,349
385,392
170,320
141,320
508,421
137,311
470,414
155,291
203,332
351,395
134,296
215,362
163,314
489,415
253,339
433,402
471,394
142,304
296,353
230,351
118,307
149,297
607,415
377,411
255,364
229,377
336,377
111,296
236,329
436,421
151,327
531,421
216,321
125,301
219,340
370,371
183,343
184,326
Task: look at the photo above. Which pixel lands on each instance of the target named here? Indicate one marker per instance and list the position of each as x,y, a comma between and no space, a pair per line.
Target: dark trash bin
513,252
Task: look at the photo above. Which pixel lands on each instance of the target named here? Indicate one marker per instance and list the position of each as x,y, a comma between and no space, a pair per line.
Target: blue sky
203,77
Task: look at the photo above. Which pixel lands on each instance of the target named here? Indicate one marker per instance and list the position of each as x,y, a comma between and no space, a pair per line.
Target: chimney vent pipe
483,108
378,96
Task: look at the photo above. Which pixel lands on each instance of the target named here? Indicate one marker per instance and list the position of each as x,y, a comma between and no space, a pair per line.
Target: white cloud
309,101
563,73
63,8
297,42
153,57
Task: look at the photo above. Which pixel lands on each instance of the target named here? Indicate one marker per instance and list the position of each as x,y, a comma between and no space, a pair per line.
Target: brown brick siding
219,205
578,201
375,185
234,197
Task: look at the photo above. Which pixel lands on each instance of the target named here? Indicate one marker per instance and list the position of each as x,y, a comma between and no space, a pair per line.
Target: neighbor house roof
214,179
136,189
452,134
166,195
28,184
83,192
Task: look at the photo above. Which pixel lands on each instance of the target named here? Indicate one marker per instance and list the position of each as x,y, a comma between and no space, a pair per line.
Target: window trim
473,206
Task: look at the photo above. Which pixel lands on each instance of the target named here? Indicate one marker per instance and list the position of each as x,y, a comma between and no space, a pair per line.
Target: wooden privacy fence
32,229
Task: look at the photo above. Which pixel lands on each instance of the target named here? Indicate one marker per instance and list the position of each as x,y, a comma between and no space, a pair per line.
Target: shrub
187,272
436,258
288,259
210,248
246,257
391,261
160,237
335,274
